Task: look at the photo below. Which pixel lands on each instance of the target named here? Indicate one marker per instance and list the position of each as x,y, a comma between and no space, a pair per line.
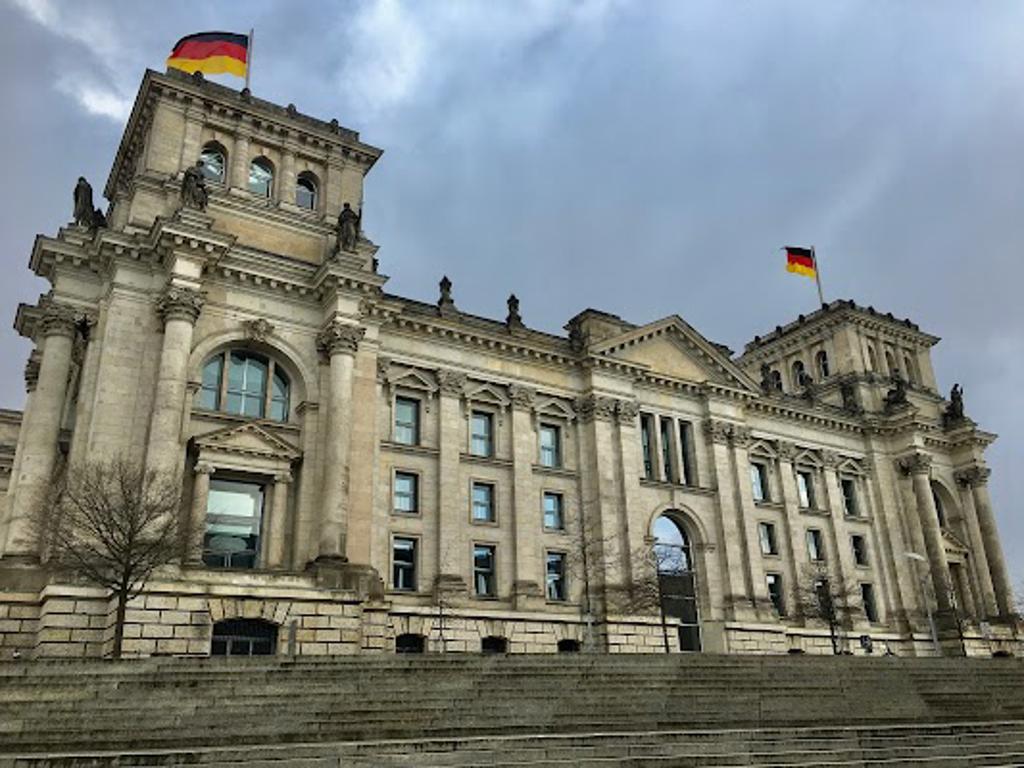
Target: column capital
340,338
718,431
451,382
205,468
282,478
740,436
627,411
915,464
593,406
180,303
59,320
522,397
973,476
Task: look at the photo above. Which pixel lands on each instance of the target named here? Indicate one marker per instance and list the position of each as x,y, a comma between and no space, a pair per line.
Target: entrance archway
244,637
677,579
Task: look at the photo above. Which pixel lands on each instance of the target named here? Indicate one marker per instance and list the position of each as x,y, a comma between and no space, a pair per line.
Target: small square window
407,421
867,598
805,489
550,446
815,545
406,496
555,576
554,518
482,434
403,559
774,581
769,545
483,570
759,481
860,549
849,488
483,503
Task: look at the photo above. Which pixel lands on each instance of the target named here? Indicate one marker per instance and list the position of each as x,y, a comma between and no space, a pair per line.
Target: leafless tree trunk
110,524
825,598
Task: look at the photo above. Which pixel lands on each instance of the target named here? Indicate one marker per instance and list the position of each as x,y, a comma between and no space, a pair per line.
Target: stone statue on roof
349,223
193,187
83,212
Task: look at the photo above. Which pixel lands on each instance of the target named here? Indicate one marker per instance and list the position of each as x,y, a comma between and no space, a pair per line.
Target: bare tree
111,524
823,597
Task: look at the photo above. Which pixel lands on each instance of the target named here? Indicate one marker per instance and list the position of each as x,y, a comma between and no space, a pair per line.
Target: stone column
989,606
239,175
179,307
977,477
286,189
525,503
339,342
795,538
197,516
919,467
845,568
278,520
451,508
41,429
732,550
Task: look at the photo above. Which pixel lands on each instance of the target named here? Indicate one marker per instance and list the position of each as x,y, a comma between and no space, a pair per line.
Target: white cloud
96,99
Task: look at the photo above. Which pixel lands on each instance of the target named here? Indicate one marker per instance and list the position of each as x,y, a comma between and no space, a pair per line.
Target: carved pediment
249,439
671,347
953,543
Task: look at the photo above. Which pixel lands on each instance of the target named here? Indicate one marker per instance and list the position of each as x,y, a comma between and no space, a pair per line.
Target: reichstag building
362,472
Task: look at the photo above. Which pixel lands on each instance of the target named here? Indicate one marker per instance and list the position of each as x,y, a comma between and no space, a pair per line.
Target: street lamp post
916,558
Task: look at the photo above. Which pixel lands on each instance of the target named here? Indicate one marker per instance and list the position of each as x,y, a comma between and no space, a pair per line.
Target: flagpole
817,276
248,57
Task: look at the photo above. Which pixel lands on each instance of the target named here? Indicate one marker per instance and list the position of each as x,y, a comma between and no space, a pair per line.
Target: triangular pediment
953,542
672,347
248,439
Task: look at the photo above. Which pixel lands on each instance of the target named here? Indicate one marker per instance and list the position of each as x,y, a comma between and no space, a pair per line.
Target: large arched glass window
261,177
677,580
671,546
306,191
246,384
215,161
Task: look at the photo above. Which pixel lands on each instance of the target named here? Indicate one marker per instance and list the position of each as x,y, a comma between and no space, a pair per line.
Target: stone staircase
553,710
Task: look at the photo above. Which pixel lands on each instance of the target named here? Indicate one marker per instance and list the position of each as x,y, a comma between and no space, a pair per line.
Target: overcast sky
645,158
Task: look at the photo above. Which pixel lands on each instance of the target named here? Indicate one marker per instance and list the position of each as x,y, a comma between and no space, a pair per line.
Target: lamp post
916,558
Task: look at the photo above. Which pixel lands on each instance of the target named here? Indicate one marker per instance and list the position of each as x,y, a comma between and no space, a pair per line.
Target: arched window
671,546
244,637
215,161
677,590
306,191
872,359
910,368
821,363
261,177
940,511
775,377
246,384
799,372
890,364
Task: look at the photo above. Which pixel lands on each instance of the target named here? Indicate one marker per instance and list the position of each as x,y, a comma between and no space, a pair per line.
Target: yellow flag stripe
214,65
800,269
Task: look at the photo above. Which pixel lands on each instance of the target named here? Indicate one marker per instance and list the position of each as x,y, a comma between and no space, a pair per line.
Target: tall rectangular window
815,546
407,421
406,494
234,514
666,450
481,434
867,599
647,443
403,564
483,503
769,544
555,576
550,446
860,549
759,481
805,489
554,519
483,570
687,453
849,489
774,581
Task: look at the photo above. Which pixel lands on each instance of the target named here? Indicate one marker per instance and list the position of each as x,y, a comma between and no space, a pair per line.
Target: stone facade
411,470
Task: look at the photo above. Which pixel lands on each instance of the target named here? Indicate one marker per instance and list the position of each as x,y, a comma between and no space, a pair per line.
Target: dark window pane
261,177
305,192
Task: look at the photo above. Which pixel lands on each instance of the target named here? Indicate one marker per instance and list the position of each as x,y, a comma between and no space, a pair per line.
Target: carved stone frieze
718,431
180,303
740,436
830,459
627,411
340,338
521,397
915,464
974,476
785,450
452,383
258,329
593,406
383,368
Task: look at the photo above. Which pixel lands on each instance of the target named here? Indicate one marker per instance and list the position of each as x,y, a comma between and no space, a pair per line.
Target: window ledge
815,512
556,531
769,504
417,450
491,461
406,515
857,518
231,418
543,469
698,489
771,555
484,523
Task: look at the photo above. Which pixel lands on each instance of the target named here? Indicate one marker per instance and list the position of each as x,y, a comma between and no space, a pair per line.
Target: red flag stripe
190,49
804,261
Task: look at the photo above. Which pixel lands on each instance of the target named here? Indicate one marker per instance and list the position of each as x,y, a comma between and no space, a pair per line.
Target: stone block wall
19,623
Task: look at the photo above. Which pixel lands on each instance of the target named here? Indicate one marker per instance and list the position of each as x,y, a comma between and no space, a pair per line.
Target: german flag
801,261
211,53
